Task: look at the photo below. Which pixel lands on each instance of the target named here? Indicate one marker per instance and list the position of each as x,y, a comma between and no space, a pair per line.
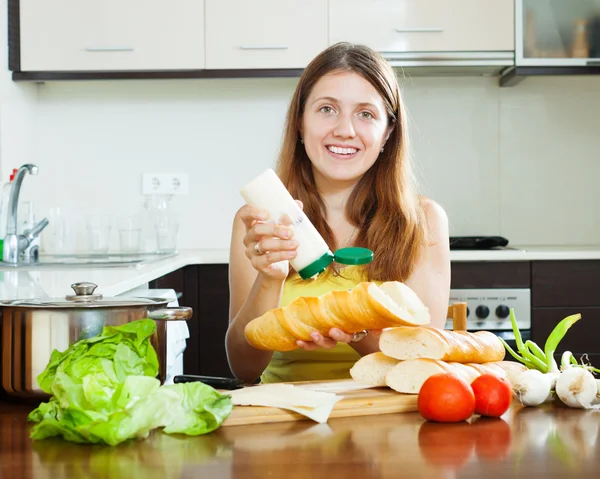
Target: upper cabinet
111,35
424,25
558,33
257,34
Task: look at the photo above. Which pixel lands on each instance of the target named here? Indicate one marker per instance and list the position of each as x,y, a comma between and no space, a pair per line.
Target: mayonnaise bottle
313,254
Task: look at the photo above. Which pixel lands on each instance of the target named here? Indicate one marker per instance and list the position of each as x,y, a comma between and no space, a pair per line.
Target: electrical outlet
164,184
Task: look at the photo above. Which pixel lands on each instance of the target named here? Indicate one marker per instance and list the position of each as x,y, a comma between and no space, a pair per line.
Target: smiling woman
345,159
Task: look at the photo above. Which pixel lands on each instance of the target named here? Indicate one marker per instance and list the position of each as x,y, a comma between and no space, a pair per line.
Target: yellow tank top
321,364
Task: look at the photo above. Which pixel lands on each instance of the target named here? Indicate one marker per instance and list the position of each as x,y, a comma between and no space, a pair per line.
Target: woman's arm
431,276
255,286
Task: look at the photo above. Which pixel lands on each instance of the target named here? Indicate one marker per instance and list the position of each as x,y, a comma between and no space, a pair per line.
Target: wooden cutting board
359,400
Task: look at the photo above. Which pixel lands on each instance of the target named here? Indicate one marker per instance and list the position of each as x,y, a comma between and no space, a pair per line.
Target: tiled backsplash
521,162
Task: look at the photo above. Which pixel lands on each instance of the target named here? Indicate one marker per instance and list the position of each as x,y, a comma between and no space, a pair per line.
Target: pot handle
171,314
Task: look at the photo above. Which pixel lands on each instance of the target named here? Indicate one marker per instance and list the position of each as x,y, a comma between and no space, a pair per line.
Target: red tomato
493,395
493,438
446,397
446,445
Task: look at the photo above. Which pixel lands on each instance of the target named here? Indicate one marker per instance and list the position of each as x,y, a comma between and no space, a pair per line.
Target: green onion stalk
532,356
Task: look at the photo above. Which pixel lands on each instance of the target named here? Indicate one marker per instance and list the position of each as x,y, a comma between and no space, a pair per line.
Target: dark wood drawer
581,338
491,274
565,283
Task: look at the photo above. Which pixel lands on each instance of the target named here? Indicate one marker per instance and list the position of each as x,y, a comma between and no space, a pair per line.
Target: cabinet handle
263,47
109,49
419,30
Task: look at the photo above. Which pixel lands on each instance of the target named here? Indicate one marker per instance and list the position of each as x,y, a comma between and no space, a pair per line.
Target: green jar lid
353,255
317,266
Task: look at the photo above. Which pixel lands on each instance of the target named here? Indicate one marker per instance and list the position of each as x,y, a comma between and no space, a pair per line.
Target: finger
322,341
260,230
263,261
340,335
300,204
306,345
276,244
250,214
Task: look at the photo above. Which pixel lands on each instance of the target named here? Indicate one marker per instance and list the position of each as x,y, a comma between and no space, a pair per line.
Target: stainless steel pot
32,328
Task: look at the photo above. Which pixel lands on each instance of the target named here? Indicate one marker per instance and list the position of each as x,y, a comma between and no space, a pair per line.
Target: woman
345,158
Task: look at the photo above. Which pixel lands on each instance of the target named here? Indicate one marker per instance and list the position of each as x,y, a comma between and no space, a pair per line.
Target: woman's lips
342,152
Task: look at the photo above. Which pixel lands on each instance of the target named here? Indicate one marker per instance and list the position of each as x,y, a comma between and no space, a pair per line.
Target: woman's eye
326,109
366,115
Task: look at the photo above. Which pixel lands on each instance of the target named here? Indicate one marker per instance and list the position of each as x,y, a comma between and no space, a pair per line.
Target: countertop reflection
549,441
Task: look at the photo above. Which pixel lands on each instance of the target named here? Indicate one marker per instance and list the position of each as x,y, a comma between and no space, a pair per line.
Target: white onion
532,387
576,387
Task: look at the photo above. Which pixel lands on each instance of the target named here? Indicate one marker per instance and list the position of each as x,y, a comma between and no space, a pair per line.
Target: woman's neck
334,195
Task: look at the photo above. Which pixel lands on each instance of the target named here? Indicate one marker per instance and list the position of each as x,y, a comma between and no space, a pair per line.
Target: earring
382,149
301,141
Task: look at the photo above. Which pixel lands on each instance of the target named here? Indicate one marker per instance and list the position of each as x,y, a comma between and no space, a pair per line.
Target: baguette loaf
453,346
366,306
408,376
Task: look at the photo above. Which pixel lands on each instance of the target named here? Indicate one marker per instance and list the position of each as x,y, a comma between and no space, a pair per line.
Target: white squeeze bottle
313,255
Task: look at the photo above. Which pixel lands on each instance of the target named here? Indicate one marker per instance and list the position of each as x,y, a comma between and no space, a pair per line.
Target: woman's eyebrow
326,98
335,100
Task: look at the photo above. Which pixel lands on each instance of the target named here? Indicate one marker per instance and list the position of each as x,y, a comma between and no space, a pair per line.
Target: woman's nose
344,127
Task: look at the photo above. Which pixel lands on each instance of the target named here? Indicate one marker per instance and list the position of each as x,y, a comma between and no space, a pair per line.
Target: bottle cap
317,266
351,255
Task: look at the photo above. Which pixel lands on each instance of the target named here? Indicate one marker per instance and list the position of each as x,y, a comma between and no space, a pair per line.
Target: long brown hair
384,204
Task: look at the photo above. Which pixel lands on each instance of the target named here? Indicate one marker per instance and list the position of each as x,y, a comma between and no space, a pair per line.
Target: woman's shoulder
436,222
433,211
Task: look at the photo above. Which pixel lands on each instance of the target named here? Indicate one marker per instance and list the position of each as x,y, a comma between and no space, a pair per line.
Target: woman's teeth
342,151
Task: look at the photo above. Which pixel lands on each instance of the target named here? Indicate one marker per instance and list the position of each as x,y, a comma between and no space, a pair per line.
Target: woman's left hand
336,335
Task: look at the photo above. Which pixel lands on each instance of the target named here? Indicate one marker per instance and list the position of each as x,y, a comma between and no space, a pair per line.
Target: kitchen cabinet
264,33
112,35
204,288
424,25
562,288
557,33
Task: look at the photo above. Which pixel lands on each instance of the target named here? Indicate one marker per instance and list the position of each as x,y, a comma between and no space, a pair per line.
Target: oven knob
502,311
482,311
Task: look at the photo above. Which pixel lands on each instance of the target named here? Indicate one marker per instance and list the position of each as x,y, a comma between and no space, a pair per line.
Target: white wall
521,162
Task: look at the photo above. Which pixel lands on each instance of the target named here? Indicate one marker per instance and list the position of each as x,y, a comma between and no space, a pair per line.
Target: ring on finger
257,249
359,336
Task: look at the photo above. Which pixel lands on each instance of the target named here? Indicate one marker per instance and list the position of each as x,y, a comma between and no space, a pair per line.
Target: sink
117,260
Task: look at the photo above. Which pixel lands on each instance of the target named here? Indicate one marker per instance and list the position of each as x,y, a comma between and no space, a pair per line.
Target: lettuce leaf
104,390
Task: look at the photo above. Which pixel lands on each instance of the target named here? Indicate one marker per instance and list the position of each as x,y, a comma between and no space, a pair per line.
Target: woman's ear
387,135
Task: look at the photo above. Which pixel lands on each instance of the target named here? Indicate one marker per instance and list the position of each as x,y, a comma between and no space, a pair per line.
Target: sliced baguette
452,346
372,368
366,306
408,376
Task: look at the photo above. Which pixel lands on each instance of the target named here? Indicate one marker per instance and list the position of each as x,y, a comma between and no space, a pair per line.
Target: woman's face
344,127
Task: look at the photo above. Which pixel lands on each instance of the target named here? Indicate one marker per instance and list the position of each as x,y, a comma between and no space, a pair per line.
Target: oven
489,310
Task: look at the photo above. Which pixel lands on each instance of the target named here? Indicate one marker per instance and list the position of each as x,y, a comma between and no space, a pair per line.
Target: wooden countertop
527,442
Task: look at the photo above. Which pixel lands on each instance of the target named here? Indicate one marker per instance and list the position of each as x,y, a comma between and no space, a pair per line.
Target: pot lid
84,297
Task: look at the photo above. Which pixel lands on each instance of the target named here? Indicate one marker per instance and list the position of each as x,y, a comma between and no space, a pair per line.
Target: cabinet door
92,35
558,33
424,25
264,33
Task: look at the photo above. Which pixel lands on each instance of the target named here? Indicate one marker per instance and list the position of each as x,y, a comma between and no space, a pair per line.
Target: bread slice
453,346
407,299
372,369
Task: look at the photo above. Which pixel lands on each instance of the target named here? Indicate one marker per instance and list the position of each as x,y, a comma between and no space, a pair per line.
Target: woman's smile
341,152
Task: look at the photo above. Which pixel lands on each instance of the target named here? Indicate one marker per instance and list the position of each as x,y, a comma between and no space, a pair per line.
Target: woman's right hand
268,245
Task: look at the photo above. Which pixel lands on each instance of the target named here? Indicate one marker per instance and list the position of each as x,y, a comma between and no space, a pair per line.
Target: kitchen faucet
15,244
